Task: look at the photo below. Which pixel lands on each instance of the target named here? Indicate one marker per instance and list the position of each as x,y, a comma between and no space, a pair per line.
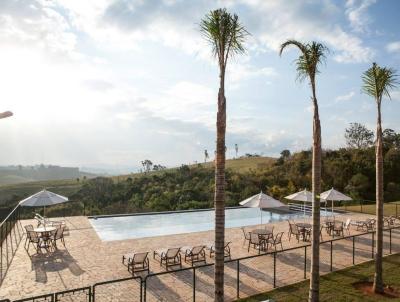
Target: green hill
189,187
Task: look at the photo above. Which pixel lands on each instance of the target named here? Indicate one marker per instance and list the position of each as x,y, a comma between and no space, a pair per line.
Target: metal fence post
237,278
274,269
145,289
353,249
1,253
305,262
194,284
141,290
361,206
373,243
390,240
331,254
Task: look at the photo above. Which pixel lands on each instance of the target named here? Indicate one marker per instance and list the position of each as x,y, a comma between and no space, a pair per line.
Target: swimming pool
151,225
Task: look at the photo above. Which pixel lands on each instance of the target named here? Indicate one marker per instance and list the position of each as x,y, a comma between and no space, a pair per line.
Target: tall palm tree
311,56
377,82
226,35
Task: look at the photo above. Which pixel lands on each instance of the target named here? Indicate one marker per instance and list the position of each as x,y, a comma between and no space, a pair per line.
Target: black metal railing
362,243
10,237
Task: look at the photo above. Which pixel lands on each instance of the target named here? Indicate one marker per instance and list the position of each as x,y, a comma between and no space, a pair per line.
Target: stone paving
87,260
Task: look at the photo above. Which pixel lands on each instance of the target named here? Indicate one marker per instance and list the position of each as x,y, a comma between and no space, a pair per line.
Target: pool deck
86,260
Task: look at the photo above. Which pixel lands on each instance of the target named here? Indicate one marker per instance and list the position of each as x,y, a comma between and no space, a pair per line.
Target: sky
109,83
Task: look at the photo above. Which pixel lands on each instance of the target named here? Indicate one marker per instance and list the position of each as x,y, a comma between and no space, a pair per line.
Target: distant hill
15,188
351,171
23,174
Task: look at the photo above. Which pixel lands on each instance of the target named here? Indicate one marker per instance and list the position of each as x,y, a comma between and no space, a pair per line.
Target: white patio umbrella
304,196
262,201
42,199
333,195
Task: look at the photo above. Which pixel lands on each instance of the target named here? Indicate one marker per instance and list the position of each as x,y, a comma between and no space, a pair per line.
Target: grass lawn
338,286
389,208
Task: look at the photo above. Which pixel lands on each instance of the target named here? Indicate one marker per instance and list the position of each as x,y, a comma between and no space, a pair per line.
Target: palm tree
377,82
312,54
226,35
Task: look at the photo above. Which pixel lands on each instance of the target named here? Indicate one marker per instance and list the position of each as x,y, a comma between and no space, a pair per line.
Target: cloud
126,24
39,24
357,14
237,73
393,47
345,97
272,22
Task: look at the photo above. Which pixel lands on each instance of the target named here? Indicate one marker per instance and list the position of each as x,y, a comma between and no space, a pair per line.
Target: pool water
151,225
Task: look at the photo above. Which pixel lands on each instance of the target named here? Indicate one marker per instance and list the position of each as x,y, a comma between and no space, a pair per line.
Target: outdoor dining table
304,226
261,232
44,235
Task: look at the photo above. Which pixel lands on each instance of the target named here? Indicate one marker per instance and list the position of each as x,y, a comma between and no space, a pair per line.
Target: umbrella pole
261,216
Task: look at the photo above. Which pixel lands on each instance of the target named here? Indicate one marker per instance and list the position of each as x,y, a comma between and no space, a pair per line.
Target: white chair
347,225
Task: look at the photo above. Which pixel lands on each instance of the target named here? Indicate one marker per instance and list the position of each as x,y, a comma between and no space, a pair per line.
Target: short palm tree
377,82
226,35
311,56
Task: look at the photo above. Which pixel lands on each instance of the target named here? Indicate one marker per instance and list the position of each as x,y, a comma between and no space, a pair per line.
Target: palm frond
379,81
225,34
312,55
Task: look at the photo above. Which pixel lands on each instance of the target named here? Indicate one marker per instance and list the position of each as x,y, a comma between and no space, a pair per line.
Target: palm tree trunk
378,280
219,196
316,189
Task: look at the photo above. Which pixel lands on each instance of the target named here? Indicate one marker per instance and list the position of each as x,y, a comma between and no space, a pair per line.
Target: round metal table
304,225
44,235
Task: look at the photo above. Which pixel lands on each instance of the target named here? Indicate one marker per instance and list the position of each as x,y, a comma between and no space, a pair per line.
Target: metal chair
195,254
294,230
34,239
171,257
246,235
275,241
137,262
258,242
28,228
227,249
58,235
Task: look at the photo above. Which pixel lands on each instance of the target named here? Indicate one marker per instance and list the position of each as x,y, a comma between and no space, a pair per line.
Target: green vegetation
343,280
190,187
389,209
22,174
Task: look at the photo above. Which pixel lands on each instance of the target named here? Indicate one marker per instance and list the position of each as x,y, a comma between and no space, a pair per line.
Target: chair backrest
29,227
338,225
59,233
294,229
140,257
269,228
254,238
197,249
39,216
278,237
172,253
246,235
33,236
347,224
